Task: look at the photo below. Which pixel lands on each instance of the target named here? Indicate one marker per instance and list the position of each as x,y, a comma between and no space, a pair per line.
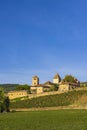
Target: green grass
44,120
64,99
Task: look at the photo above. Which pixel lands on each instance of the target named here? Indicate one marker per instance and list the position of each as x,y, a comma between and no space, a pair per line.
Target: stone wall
17,94
63,87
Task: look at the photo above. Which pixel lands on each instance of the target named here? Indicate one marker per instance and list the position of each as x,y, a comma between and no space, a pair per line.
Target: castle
40,88
37,88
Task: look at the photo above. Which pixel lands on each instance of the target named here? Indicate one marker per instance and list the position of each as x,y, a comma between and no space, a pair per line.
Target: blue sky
42,37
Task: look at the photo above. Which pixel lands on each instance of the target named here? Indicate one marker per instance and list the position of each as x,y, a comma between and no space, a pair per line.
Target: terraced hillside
64,99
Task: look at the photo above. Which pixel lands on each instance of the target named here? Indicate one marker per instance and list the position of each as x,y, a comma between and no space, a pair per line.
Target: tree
54,87
4,102
1,99
23,87
70,78
1,93
7,104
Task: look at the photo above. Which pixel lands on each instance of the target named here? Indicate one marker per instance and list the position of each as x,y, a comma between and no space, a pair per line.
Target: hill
64,99
9,87
83,84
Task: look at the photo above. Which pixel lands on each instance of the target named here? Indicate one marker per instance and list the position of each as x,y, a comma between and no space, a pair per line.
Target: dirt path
49,108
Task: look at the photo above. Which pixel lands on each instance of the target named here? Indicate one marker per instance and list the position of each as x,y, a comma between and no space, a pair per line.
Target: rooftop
56,76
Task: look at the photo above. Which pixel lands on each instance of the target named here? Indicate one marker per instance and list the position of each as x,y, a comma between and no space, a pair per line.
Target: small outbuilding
66,86
36,89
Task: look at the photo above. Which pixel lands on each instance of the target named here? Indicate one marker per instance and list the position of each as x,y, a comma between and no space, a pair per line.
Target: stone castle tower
56,79
35,80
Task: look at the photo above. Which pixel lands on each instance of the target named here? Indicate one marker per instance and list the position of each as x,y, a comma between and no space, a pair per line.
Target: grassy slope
82,101
9,87
64,99
45,120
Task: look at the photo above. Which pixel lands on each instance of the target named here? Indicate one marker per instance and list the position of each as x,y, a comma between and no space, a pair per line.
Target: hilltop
9,87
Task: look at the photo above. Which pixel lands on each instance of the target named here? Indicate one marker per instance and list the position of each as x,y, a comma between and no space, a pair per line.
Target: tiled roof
39,85
74,84
35,76
56,76
48,83
45,85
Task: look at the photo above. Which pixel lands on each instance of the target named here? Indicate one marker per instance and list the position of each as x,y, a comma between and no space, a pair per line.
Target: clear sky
42,37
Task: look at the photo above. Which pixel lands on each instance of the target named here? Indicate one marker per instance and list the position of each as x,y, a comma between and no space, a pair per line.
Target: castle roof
69,83
48,83
35,76
42,85
56,76
39,85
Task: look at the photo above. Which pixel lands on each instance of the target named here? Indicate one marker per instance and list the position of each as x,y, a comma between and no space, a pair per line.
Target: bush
4,102
70,78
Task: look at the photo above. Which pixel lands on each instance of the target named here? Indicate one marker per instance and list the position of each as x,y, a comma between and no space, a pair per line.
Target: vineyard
63,99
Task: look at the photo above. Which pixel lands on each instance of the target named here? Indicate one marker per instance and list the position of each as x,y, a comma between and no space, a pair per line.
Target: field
44,120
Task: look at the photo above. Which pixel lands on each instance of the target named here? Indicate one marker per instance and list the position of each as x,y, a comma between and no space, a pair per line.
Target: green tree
70,78
4,101
54,87
1,99
7,104
23,87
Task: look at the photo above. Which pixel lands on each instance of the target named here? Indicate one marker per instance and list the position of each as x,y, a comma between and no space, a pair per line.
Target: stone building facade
68,86
17,94
40,88
36,89
35,80
56,79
